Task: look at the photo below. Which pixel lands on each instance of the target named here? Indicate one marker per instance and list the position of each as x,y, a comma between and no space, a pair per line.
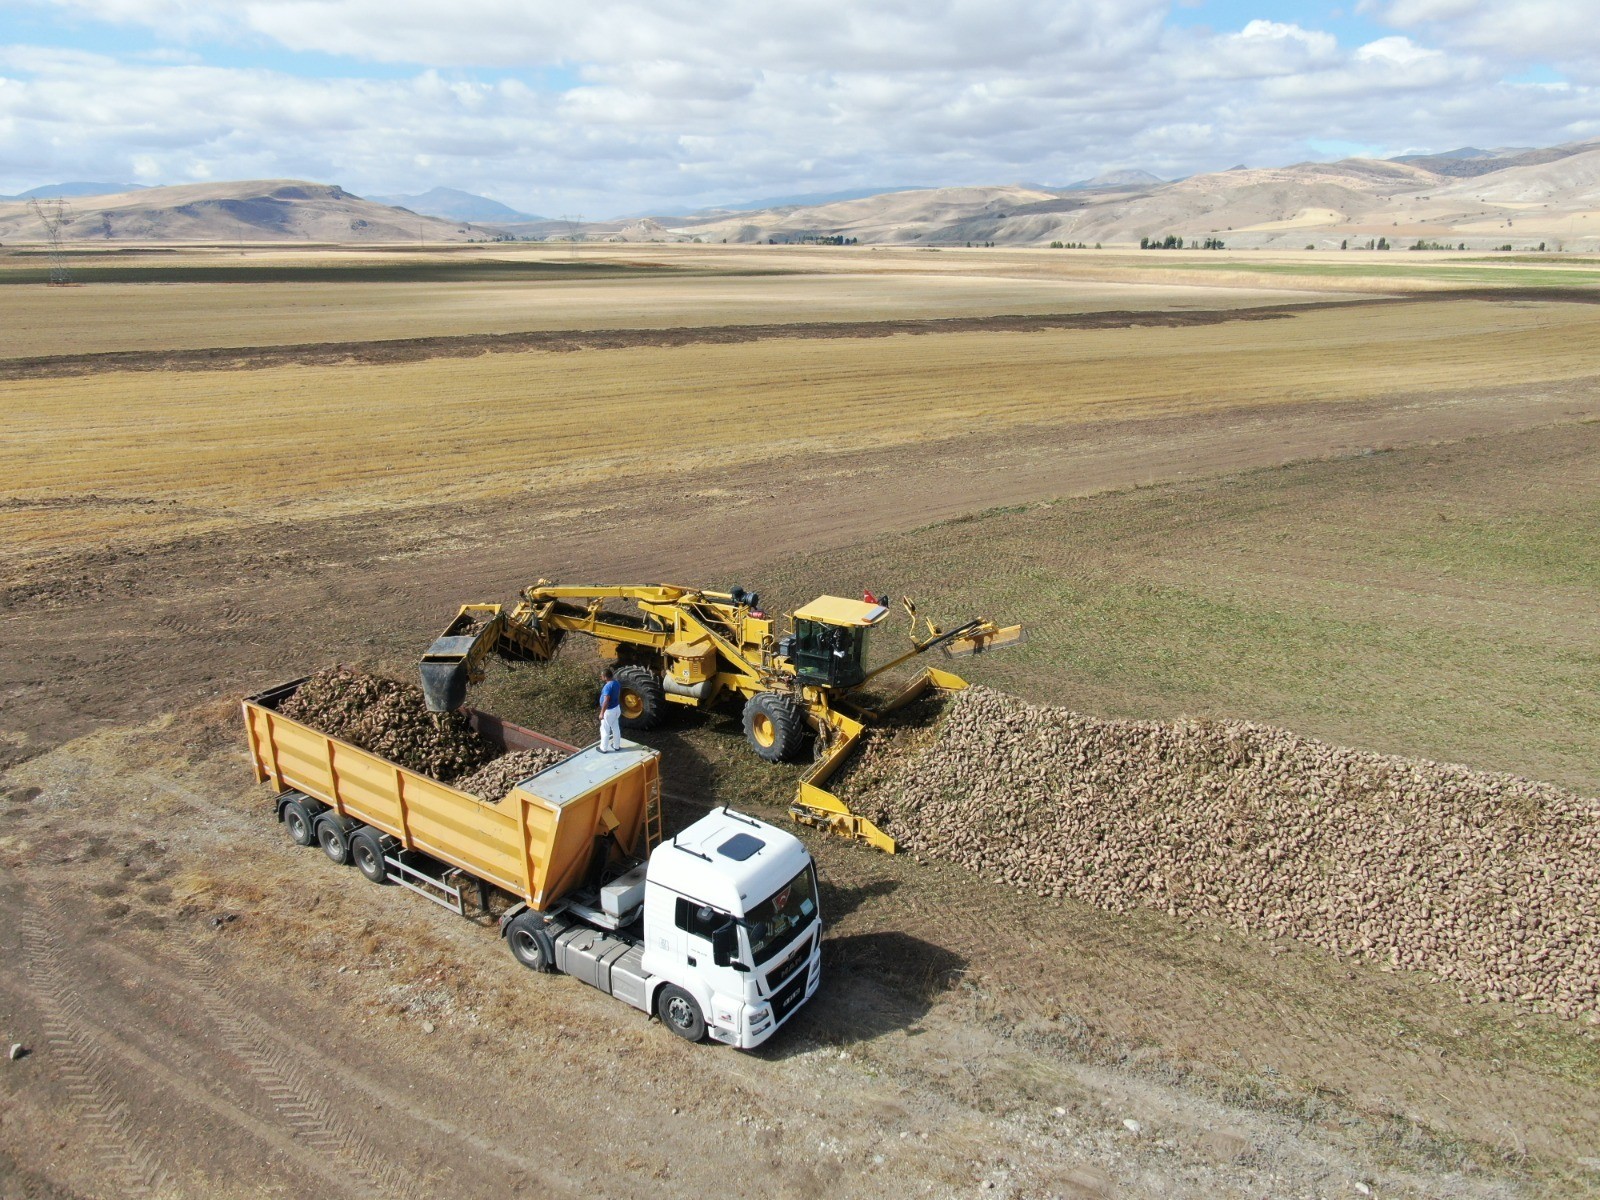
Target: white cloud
671,102
1548,31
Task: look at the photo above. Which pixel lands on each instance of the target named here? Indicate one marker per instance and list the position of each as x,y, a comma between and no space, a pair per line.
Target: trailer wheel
680,1013
334,840
297,820
530,943
773,725
644,700
366,851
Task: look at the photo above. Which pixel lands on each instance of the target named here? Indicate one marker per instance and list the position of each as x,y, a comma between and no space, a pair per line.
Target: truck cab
732,919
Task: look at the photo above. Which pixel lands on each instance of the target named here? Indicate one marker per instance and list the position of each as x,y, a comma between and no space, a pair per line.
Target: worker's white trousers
611,729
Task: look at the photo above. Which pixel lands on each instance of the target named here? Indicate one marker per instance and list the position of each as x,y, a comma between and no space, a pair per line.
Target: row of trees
1173,242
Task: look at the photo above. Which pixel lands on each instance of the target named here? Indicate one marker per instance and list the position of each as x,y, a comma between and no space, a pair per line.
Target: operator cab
829,642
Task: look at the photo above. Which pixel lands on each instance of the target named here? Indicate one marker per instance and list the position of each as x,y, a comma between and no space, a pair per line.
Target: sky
606,108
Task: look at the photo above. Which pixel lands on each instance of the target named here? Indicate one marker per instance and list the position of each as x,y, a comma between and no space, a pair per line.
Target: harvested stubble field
1436,601
1412,598
146,456
328,307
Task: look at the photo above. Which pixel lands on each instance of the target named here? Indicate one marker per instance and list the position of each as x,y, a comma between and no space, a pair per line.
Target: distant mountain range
1481,198
452,204
51,190
1116,179
1469,160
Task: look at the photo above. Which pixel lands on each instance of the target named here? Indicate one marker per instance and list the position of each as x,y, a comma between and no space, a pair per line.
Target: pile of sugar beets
392,719
1488,880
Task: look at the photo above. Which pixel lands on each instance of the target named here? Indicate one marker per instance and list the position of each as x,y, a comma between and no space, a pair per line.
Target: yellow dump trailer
537,843
717,931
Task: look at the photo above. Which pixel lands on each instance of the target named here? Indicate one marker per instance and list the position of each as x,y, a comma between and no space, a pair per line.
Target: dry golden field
163,454
135,316
206,297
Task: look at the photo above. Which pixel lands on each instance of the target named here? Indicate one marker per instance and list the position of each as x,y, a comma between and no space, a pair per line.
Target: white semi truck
718,930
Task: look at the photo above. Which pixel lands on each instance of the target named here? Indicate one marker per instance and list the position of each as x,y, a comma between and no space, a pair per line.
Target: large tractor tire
644,700
773,725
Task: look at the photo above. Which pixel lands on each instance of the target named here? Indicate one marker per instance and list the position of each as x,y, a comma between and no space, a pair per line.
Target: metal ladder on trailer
652,816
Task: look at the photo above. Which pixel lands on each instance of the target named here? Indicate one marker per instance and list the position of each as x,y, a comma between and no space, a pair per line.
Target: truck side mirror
725,944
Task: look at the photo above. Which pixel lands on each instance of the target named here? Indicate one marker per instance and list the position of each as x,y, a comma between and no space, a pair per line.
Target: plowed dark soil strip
402,350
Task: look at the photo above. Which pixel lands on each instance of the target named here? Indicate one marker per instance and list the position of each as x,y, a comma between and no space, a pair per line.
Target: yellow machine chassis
742,642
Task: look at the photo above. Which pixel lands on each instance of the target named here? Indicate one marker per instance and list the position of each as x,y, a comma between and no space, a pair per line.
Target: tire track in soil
213,991
309,1121
272,1068
105,1126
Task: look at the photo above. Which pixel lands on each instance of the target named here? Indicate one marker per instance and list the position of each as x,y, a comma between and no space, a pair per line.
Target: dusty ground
211,1010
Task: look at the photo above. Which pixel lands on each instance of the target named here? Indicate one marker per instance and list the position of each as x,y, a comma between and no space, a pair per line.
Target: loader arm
974,637
547,613
457,656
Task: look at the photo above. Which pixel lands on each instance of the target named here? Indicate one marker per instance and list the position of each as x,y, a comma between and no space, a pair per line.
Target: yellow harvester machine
687,646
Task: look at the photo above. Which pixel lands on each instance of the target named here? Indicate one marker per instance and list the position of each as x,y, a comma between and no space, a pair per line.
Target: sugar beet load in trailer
717,931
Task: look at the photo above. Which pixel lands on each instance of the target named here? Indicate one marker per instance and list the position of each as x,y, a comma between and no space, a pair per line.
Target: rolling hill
1480,198
272,210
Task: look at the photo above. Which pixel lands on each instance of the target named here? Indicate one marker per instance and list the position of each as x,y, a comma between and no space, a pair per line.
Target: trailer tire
773,725
297,819
366,851
680,1012
644,700
334,839
529,942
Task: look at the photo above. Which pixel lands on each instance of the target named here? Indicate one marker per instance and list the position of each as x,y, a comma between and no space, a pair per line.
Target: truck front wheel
680,1013
530,943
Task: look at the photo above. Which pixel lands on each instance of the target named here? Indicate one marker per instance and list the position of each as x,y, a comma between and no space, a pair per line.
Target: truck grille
790,961
789,995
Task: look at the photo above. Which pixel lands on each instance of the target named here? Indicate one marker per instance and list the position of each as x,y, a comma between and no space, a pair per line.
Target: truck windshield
774,922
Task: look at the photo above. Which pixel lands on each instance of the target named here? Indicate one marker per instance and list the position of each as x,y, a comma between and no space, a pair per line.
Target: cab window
699,919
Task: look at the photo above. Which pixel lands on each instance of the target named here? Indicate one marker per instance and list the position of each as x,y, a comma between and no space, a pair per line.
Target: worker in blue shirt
610,711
